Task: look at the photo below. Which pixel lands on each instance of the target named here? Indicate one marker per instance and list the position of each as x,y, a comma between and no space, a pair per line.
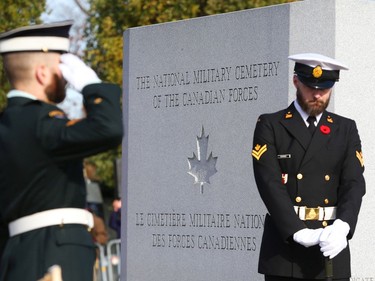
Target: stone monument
193,90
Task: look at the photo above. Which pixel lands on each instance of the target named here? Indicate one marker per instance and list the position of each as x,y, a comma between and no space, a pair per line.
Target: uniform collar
21,94
304,115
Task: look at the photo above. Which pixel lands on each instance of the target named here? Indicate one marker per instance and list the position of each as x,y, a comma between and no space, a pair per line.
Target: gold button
326,201
324,223
298,199
98,100
299,176
327,177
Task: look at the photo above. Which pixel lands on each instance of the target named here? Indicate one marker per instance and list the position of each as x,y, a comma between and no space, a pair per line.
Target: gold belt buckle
312,214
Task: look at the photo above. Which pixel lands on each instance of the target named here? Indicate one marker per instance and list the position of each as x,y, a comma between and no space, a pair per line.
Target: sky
63,10
66,10
59,10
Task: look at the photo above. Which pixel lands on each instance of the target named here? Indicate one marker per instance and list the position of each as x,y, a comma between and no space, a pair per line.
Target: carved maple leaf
200,167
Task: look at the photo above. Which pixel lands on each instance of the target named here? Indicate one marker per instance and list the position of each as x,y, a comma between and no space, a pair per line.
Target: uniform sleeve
4,235
101,130
352,183
268,178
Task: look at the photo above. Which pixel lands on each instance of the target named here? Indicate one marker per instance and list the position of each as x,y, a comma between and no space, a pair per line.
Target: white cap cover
43,38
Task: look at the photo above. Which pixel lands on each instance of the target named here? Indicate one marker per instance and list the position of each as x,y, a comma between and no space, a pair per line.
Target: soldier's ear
43,74
295,80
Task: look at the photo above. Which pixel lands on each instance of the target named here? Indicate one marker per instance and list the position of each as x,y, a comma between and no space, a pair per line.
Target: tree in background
108,19
106,22
13,14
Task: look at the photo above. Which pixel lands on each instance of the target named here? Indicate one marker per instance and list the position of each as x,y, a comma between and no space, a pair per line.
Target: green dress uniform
291,169
41,169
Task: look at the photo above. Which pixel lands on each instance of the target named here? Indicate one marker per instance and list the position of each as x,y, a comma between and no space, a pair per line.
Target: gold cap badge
317,71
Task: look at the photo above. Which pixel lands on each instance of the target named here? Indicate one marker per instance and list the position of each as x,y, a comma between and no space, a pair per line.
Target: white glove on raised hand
333,239
76,72
307,237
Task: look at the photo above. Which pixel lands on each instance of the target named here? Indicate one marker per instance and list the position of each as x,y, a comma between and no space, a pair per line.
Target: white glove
76,72
333,239
307,237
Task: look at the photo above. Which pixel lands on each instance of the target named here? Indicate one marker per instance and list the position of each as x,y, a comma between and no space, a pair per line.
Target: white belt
318,214
51,217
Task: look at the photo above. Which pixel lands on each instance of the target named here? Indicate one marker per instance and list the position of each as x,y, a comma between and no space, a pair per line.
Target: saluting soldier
308,167
42,189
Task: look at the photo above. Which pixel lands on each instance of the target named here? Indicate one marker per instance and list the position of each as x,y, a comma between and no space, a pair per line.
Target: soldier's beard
312,107
55,92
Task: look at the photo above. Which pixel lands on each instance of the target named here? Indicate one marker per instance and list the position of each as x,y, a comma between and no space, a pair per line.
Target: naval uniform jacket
291,168
41,154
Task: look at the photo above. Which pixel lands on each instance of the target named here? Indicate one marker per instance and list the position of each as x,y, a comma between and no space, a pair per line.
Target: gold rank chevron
258,151
360,158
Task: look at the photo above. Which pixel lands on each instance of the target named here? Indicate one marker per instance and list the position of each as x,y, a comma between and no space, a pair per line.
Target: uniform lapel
324,130
292,121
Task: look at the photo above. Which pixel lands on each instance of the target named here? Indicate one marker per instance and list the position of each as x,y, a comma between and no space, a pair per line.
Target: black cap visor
316,83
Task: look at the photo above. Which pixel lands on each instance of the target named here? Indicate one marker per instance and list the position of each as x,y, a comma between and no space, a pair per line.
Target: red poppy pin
325,129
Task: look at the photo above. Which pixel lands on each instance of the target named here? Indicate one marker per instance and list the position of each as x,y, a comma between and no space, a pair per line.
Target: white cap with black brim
50,37
317,71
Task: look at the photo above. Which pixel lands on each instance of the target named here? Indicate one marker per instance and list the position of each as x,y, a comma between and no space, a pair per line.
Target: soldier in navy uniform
308,167
42,189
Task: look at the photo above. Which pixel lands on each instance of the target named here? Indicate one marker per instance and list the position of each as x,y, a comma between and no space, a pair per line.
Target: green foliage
16,13
105,167
107,21
109,18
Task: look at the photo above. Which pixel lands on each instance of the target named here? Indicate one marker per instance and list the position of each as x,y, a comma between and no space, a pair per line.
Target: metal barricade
109,261
114,259
101,264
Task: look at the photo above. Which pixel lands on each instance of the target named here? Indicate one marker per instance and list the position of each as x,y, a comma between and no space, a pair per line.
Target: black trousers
278,278
28,256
